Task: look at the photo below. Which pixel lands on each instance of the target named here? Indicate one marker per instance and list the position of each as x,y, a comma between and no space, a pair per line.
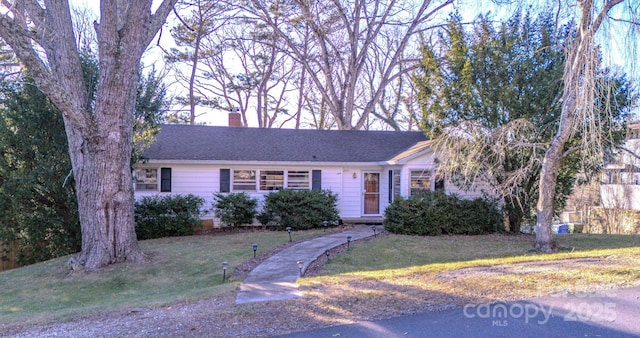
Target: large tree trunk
105,200
101,157
578,99
100,133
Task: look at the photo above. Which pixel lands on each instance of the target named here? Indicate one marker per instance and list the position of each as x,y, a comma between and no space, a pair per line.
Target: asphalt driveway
611,313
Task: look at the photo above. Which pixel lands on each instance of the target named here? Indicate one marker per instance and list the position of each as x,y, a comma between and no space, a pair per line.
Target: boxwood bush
299,209
435,213
167,216
235,208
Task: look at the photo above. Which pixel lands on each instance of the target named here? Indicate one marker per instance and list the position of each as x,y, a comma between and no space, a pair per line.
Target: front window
244,180
420,181
147,179
298,180
271,180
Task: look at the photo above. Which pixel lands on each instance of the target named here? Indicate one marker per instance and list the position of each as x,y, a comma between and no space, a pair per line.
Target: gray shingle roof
211,143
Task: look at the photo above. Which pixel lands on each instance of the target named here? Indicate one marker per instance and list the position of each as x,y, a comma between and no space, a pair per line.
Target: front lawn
378,278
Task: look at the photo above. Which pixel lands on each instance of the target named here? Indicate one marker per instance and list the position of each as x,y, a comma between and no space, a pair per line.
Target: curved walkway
275,278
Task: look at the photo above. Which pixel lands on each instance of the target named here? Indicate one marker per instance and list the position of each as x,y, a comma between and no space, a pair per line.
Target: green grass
190,268
400,251
181,268
400,274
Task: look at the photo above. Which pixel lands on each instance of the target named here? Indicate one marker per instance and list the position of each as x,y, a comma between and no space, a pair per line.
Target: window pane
244,180
298,180
396,184
147,179
271,180
420,180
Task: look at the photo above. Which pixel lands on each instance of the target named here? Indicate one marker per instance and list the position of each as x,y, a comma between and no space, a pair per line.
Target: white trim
263,163
362,189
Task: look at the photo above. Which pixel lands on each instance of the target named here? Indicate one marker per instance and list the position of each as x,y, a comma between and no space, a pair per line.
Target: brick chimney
235,119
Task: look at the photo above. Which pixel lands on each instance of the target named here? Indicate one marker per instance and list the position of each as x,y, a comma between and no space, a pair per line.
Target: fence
613,221
8,256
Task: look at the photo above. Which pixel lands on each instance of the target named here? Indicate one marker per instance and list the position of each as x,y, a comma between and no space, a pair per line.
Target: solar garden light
348,241
300,267
326,252
373,227
289,231
255,247
224,270
325,223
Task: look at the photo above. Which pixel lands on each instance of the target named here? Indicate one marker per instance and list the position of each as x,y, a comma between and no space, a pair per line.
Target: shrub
299,209
435,213
166,216
235,208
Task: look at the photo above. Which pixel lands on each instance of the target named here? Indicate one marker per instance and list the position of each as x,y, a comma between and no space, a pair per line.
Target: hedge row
167,216
429,213
435,213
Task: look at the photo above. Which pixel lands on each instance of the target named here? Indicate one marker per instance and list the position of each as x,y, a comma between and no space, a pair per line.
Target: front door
371,193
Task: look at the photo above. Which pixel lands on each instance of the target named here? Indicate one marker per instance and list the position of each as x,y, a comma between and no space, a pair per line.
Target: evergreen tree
38,206
490,98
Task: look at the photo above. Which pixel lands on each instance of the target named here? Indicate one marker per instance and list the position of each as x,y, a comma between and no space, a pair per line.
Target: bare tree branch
630,152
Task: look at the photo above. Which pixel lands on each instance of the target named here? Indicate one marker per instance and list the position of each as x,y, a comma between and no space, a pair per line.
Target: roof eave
261,163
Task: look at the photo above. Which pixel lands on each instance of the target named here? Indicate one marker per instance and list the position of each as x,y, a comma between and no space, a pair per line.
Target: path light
300,267
348,241
325,223
224,270
289,231
255,247
373,227
326,252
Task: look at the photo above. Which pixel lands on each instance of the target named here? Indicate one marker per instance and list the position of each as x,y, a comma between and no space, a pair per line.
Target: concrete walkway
275,278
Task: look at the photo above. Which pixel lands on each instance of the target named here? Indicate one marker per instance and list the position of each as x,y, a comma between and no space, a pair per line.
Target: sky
619,50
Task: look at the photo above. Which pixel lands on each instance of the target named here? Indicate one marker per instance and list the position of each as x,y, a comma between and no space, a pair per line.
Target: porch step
362,220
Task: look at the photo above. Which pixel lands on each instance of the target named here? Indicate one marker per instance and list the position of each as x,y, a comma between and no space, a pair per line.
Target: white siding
352,204
419,163
426,161
478,190
620,188
204,180
345,181
351,199
199,180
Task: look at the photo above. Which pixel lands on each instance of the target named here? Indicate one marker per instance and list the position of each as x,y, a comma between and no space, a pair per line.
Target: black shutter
165,179
316,180
225,180
391,186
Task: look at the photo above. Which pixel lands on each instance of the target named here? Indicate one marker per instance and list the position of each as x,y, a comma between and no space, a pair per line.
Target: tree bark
577,97
100,132
105,197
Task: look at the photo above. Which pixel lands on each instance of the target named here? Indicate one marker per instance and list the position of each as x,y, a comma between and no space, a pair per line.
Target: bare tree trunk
105,200
100,133
548,176
192,79
577,107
